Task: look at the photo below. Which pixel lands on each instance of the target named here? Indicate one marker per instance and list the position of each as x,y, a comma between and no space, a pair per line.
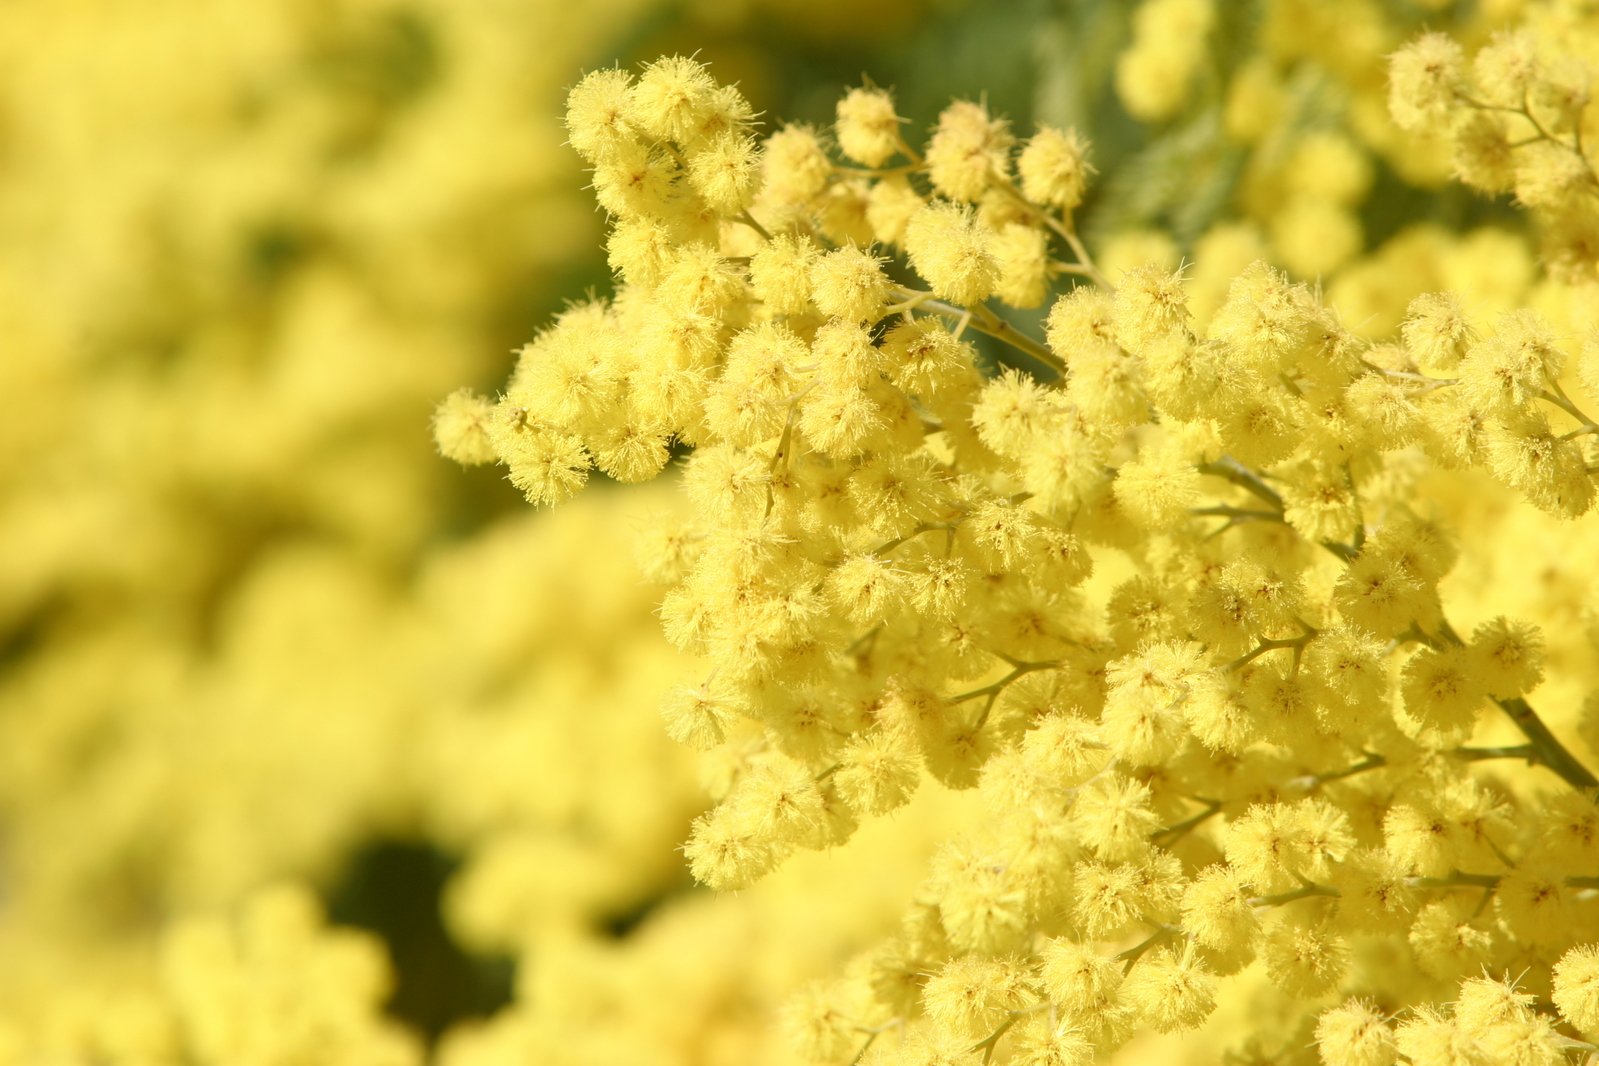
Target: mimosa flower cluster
1515,115
1163,584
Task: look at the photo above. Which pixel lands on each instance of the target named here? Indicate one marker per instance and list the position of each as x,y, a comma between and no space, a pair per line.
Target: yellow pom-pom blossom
1054,168
671,99
461,428
1424,81
868,128
951,249
1354,1033
1170,990
969,151
849,284
1153,75
1576,987
597,113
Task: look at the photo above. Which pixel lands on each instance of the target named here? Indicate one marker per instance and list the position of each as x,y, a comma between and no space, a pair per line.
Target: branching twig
983,320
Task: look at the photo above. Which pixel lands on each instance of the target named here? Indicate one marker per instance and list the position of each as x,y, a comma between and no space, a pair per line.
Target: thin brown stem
1232,470
749,220
1304,892
1455,880
926,527
1372,761
1517,751
875,172
1080,250
1173,833
1237,514
1137,951
1427,384
1547,748
1265,644
999,686
1557,396
983,320
908,152
987,1044
1062,230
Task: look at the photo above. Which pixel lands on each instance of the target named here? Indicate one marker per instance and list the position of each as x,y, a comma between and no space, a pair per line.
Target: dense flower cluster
1515,115
1175,589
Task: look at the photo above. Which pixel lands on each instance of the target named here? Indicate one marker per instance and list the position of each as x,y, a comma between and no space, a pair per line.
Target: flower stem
1231,469
1546,749
983,320
1173,833
1305,892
